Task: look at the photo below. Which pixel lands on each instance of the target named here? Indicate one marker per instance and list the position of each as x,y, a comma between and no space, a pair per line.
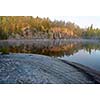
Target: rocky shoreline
39,69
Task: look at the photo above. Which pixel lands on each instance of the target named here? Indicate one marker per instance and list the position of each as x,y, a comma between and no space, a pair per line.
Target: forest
28,27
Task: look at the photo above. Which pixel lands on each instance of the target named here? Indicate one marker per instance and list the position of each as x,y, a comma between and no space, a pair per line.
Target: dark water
86,52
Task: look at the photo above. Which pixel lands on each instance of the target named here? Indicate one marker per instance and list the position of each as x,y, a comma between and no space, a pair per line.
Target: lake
86,52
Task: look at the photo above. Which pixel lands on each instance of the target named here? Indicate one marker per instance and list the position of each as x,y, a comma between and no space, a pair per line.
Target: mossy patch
4,51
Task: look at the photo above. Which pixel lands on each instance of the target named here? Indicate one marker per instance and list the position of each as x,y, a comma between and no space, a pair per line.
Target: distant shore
45,39
48,40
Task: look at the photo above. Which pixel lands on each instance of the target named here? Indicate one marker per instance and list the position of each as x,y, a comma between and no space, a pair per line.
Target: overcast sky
82,21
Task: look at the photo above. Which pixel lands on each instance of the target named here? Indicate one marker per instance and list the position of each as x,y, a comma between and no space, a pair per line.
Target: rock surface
38,69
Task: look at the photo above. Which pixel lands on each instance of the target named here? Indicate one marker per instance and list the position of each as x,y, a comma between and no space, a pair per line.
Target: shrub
3,36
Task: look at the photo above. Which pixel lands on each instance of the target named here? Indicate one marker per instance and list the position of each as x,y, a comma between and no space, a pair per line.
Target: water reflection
51,48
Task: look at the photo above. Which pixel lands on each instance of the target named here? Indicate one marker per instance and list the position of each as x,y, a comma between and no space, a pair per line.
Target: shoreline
72,39
94,73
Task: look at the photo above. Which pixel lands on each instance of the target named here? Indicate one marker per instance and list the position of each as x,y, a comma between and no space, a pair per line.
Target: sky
82,21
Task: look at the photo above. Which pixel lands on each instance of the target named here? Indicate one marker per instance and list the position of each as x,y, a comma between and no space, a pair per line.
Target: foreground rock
38,69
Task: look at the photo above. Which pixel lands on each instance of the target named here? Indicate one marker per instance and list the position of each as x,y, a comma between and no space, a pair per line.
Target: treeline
28,27
91,32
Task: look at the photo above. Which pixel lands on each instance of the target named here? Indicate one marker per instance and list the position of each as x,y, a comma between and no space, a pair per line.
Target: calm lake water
86,52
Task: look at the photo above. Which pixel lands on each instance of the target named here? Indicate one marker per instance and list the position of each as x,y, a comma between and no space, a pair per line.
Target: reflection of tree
91,46
50,48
